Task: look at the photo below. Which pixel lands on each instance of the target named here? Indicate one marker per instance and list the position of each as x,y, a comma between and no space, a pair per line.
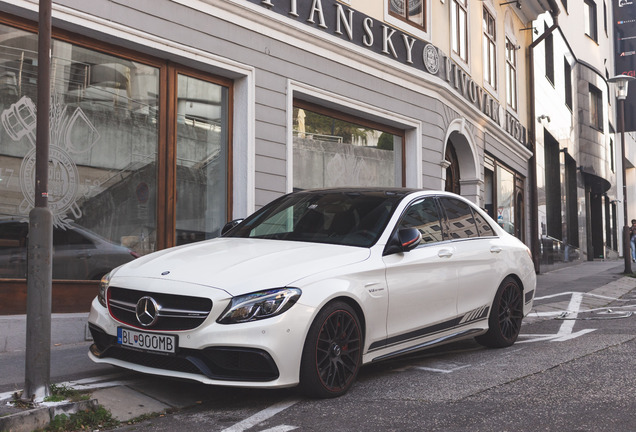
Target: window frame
489,47
596,107
405,18
512,96
459,46
590,19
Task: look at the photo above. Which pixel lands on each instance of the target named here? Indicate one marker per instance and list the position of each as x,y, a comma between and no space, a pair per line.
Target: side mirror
231,224
410,238
404,240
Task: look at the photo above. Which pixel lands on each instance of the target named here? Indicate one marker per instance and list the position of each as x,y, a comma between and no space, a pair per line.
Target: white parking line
566,329
281,428
262,416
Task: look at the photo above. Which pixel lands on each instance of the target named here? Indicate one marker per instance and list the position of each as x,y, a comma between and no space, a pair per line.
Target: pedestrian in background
632,239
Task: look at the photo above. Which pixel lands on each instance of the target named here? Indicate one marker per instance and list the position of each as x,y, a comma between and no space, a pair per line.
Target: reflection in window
505,201
331,152
202,147
102,174
461,222
424,216
411,11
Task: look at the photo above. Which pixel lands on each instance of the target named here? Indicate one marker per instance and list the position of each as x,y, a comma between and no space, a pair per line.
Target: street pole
626,237
40,242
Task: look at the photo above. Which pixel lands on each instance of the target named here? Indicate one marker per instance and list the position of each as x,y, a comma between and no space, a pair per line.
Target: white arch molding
467,156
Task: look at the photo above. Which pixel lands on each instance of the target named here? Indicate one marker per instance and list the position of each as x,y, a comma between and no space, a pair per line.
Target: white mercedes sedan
313,286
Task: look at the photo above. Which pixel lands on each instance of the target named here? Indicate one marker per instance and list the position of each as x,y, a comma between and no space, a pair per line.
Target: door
422,283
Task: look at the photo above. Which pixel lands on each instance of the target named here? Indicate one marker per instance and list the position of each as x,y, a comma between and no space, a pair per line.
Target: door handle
445,253
495,249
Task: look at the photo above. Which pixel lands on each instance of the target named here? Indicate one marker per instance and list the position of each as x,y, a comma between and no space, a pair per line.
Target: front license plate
147,341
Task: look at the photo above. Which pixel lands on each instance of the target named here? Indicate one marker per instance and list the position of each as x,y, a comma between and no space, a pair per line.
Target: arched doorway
460,165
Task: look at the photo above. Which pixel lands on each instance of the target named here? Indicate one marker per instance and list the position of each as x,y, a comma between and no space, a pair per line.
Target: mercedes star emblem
147,311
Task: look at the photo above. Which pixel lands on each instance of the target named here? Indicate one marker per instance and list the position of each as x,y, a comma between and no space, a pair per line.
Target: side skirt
430,344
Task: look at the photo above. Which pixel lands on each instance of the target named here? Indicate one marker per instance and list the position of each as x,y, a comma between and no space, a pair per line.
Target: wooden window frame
406,19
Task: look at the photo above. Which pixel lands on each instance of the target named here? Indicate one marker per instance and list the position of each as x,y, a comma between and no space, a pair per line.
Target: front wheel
504,322
332,354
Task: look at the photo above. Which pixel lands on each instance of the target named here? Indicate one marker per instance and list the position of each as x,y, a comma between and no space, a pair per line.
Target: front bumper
264,353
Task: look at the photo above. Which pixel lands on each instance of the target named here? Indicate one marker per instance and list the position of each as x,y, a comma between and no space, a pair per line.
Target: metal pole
40,245
626,240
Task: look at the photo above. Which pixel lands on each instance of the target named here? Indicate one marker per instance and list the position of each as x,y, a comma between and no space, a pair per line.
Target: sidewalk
601,281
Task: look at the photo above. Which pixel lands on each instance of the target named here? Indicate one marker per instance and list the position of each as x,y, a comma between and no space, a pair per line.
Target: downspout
532,130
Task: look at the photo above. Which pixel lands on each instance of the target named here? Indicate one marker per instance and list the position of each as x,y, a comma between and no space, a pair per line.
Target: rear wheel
332,354
504,322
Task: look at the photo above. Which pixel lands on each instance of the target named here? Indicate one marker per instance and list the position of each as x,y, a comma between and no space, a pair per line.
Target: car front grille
175,312
221,363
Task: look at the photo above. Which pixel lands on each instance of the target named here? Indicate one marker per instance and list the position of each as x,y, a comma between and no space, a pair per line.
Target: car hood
240,265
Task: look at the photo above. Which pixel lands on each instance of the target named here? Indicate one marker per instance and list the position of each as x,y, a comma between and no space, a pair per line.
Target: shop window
511,74
505,199
103,152
489,48
459,29
332,149
411,11
202,157
503,187
127,159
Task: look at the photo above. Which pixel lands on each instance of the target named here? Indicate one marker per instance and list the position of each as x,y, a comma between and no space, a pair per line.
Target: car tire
332,354
504,322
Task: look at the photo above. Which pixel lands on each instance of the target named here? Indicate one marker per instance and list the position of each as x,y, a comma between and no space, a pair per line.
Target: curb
39,418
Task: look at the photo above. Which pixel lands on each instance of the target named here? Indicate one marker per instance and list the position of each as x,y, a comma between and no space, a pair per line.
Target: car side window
424,216
485,230
461,223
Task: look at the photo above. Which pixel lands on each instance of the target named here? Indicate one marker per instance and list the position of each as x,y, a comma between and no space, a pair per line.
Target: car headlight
103,286
259,305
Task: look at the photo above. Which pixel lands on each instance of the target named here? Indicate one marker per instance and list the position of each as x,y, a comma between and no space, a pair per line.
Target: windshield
346,218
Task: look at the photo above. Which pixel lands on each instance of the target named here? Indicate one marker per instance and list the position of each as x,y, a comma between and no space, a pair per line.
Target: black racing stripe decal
470,317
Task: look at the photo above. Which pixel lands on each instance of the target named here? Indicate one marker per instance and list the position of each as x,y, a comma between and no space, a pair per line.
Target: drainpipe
534,212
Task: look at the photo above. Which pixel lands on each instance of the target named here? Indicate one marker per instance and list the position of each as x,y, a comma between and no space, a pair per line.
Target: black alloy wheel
504,322
333,352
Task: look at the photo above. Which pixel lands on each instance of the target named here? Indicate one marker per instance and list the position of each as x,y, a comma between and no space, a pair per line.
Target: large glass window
489,48
103,154
505,199
411,11
459,28
332,150
125,177
202,117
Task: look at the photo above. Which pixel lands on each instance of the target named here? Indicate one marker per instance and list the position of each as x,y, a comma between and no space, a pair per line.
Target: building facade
171,117
578,151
